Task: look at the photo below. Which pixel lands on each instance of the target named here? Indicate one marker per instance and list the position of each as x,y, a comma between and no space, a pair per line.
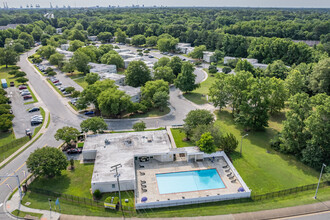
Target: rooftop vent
128,142
106,141
149,139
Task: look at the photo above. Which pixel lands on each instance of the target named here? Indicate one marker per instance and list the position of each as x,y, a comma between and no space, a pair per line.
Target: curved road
61,116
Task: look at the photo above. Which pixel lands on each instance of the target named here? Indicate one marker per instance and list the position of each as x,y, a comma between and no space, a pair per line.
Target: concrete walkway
266,214
13,204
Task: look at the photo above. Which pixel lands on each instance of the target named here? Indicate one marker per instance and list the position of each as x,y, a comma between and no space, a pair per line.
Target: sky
173,3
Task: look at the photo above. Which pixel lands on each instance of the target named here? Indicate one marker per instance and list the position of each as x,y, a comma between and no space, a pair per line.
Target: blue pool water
189,181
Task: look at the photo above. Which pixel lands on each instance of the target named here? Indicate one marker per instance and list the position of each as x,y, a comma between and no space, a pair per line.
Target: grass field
199,95
76,182
263,169
151,113
12,149
207,209
4,74
79,78
178,136
23,214
7,137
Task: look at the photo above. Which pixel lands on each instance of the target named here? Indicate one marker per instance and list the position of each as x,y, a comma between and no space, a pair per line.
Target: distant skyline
173,3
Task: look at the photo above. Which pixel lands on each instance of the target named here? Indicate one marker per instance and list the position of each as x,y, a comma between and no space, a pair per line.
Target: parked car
22,87
35,109
12,84
58,84
73,151
24,90
25,93
89,113
9,101
27,97
28,131
35,123
36,116
55,81
151,56
184,59
171,54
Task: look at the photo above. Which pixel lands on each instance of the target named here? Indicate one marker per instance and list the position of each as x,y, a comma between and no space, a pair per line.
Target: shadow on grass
196,98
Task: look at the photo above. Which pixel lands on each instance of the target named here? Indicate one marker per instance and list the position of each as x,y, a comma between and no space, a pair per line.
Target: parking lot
22,118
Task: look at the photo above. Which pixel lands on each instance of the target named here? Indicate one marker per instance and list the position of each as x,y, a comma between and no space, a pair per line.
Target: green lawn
22,214
33,97
263,169
199,95
178,136
73,106
6,137
79,78
37,129
208,209
151,113
76,182
12,148
4,74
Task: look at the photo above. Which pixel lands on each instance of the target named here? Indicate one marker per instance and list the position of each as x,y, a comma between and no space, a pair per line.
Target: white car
25,93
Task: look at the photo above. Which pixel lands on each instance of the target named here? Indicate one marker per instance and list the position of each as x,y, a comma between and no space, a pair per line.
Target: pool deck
153,167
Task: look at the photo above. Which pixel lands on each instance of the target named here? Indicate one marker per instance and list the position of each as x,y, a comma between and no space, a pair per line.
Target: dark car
35,109
73,151
89,113
33,123
22,87
27,97
12,84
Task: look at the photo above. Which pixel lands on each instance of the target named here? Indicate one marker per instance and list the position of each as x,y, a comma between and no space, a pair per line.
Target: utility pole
242,142
117,175
317,188
18,186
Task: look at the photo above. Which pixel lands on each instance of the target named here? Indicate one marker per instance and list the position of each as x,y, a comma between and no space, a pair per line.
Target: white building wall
112,186
89,154
164,157
168,203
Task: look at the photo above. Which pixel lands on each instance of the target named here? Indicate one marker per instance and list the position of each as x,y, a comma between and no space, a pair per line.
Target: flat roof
129,90
121,149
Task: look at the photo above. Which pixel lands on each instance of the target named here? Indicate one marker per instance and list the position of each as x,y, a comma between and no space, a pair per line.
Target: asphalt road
62,116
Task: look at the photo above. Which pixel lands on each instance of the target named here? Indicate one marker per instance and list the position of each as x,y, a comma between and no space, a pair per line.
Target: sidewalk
266,214
13,204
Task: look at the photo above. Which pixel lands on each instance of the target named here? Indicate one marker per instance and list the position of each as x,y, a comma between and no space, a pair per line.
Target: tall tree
8,56
112,102
67,134
80,60
176,65
320,77
95,124
46,162
186,79
206,143
91,78
293,135
165,73
137,74
195,118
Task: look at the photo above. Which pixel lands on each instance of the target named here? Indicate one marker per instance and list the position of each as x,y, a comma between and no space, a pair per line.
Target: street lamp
242,141
317,188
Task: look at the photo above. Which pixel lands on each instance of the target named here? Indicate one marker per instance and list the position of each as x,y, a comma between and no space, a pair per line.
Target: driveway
21,120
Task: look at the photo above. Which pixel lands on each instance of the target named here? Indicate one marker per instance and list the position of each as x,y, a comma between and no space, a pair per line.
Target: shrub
13,72
22,80
20,74
213,69
97,194
229,143
15,67
226,69
139,126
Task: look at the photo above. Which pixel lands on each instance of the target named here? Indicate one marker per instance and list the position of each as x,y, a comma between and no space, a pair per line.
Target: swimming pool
189,181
